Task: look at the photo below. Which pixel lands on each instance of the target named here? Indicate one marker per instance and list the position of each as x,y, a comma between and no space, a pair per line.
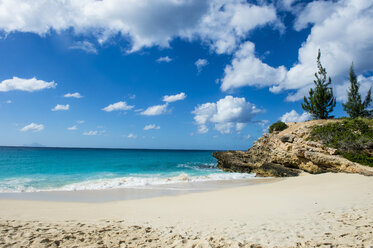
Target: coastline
134,193
335,209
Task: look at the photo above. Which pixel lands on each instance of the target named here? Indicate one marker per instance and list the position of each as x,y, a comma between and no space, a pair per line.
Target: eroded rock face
288,153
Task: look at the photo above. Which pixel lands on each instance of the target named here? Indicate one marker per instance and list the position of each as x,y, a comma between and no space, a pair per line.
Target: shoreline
134,193
309,210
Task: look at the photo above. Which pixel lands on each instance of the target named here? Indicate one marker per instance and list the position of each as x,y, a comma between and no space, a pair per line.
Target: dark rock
287,138
238,161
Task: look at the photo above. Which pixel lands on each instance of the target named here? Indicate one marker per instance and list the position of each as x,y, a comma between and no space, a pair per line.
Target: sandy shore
329,210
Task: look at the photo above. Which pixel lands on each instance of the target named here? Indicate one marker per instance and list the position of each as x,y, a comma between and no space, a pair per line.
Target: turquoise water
56,169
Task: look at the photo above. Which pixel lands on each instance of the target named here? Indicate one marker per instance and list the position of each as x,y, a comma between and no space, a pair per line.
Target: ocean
70,169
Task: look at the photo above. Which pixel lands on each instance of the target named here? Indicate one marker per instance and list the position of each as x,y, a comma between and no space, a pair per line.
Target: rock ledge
288,153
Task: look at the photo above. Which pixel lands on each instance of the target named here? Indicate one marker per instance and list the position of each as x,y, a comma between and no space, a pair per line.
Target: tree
354,107
321,101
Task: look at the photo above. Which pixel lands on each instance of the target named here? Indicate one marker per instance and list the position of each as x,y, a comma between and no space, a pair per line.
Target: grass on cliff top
353,138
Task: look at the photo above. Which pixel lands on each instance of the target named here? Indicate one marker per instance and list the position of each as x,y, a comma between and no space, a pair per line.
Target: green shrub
277,126
353,138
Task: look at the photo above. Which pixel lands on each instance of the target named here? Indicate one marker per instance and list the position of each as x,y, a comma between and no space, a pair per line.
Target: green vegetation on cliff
277,126
353,138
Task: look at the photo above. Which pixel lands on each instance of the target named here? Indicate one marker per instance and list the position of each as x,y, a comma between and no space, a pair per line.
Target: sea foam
124,182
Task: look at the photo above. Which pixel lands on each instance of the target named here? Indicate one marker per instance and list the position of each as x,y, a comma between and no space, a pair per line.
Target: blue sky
186,74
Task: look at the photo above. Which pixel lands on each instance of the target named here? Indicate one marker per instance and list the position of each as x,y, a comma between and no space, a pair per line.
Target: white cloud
226,23
151,126
224,114
86,46
33,127
132,136
73,95
72,128
200,63
203,128
118,106
247,70
155,110
224,128
286,4
174,98
247,136
90,133
220,24
240,126
293,116
61,107
164,59
314,12
80,122
29,85
344,34
341,29
9,101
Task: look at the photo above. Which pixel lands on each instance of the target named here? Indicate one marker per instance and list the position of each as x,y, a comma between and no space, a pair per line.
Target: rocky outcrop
288,153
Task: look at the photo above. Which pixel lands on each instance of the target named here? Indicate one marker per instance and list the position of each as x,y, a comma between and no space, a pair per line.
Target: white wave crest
128,182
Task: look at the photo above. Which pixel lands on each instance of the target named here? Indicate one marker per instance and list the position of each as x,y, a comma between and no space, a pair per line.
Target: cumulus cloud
72,128
174,98
61,107
226,23
132,136
22,84
341,29
86,46
80,122
200,63
151,126
33,127
247,70
240,126
118,106
293,116
344,34
9,101
314,12
73,95
220,24
143,22
155,110
90,133
286,4
225,114
164,59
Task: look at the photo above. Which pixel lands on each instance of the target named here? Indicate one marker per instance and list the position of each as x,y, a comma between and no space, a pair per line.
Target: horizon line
111,148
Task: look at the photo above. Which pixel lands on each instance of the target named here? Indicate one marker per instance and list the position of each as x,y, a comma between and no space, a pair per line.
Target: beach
327,210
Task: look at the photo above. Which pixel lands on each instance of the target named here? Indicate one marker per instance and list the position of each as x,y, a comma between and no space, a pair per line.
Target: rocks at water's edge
288,153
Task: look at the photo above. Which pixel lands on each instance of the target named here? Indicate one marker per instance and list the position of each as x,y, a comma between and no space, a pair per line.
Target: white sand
305,211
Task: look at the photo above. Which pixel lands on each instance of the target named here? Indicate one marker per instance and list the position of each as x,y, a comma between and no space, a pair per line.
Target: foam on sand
17,185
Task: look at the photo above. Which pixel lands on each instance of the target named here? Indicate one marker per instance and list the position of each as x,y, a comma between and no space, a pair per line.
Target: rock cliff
288,153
